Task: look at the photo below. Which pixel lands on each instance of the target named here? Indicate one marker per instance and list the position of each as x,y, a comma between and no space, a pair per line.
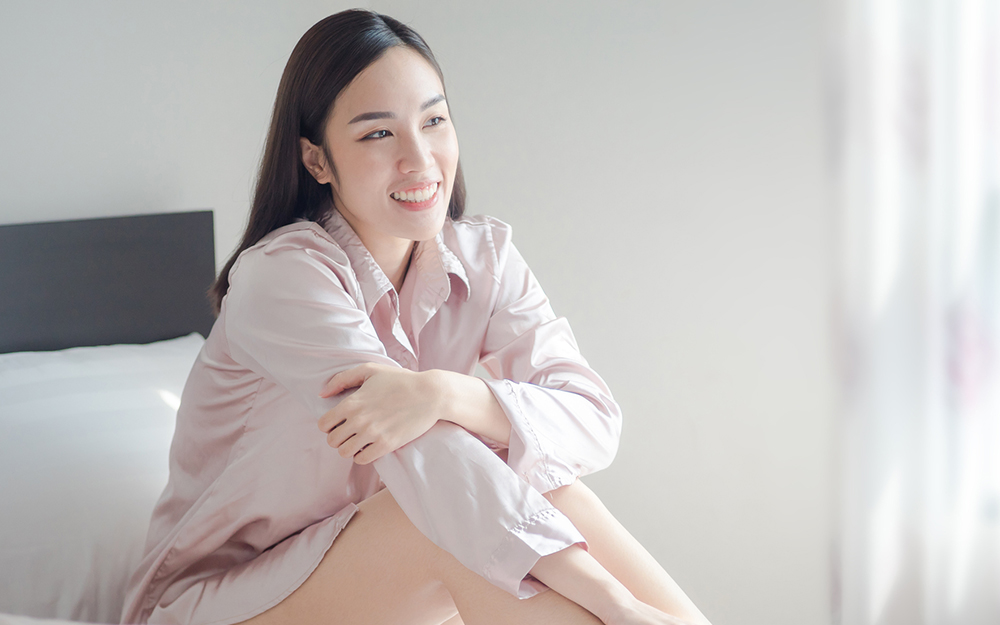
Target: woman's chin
430,231
428,223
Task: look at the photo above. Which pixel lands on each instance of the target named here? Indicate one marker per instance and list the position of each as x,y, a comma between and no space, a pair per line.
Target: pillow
84,441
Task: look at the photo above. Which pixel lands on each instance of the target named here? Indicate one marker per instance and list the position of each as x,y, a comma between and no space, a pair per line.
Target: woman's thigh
380,569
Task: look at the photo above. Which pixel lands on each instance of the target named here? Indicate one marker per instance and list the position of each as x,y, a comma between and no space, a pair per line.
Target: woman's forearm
572,572
467,401
576,575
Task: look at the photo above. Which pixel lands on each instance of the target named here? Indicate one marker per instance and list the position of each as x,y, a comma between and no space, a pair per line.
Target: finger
335,417
349,378
369,453
351,446
339,436
332,422
339,382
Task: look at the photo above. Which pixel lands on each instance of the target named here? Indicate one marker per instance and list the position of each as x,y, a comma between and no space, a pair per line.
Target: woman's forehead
400,81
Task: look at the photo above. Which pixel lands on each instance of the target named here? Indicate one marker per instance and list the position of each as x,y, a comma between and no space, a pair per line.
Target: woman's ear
314,161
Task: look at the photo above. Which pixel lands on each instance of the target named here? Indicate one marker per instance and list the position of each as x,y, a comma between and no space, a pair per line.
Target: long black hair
325,60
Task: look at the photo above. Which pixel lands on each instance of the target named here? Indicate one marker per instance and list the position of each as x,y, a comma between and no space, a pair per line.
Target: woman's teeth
420,195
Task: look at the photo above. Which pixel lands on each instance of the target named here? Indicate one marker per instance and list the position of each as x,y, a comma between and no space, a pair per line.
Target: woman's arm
290,315
545,404
469,402
393,406
576,575
564,421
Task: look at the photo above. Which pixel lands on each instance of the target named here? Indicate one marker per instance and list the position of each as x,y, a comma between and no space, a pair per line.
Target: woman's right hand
391,407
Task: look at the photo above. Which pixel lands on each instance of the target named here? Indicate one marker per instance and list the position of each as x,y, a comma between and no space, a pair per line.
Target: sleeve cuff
526,455
541,534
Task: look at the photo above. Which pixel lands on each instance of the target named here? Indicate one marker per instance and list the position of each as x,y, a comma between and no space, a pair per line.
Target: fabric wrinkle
307,302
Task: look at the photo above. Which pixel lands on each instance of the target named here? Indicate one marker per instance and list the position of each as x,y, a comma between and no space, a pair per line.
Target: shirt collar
434,262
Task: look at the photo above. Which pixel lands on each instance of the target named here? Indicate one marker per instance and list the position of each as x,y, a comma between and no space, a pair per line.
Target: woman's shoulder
476,234
300,235
481,225
302,238
297,249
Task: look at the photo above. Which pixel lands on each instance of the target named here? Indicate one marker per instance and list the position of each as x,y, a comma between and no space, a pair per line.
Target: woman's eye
434,121
378,134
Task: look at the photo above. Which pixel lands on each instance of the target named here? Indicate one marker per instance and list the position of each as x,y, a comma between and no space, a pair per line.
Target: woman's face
394,151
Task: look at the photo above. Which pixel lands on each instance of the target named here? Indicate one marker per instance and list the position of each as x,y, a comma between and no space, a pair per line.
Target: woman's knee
382,567
385,519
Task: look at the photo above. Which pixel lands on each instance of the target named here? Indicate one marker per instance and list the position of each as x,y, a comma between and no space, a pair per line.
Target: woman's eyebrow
390,115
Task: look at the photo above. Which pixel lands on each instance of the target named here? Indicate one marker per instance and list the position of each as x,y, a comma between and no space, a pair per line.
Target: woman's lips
419,198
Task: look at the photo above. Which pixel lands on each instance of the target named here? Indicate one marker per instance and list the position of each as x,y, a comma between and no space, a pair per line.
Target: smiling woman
333,455
391,170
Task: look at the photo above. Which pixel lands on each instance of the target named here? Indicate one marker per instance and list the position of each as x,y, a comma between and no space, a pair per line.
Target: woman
360,297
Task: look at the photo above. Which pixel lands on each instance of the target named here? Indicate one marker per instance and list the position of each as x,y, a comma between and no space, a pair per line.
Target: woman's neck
391,254
394,262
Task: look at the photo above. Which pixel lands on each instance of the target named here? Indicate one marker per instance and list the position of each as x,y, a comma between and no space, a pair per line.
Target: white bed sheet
84,441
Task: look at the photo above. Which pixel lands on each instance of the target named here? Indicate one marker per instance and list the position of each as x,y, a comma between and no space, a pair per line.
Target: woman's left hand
392,407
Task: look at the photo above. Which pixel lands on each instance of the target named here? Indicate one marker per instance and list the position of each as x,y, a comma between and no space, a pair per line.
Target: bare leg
381,569
621,554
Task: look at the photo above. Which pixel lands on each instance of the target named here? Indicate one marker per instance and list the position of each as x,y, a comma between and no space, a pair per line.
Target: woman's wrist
467,401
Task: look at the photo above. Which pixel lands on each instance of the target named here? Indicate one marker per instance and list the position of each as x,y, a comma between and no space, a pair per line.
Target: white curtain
917,118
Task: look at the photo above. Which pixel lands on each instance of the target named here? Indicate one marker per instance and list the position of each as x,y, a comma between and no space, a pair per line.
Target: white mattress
84,440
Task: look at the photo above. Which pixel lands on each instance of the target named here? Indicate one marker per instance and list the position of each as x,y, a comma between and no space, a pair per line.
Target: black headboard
104,281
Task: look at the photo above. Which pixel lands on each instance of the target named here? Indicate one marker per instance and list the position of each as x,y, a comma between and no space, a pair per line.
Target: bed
100,321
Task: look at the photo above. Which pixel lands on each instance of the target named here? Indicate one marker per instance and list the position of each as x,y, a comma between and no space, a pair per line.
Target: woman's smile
418,198
393,157
390,134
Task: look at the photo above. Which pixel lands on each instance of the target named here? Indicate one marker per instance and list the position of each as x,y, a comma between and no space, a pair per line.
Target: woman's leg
466,500
621,554
381,569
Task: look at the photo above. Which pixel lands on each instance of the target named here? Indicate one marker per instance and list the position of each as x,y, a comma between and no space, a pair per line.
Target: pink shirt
256,496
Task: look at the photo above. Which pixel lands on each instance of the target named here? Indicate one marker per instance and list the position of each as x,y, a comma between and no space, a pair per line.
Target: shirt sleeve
290,318
564,421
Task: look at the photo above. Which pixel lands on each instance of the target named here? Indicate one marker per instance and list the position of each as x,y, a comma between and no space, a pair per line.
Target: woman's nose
416,155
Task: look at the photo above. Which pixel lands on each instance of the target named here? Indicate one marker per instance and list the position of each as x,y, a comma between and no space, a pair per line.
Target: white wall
663,166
